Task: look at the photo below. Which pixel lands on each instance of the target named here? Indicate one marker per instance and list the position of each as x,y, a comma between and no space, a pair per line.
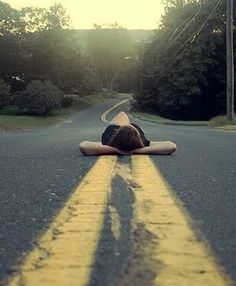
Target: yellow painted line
65,252
115,222
103,116
181,259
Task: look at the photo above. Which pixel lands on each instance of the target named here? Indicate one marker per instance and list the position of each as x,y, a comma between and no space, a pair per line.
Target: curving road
41,167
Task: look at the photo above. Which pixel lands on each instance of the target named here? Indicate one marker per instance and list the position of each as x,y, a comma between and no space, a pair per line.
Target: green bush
220,120
4,94
39,98
66,101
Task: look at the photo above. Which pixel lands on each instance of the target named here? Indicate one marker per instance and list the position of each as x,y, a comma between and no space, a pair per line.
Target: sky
132,14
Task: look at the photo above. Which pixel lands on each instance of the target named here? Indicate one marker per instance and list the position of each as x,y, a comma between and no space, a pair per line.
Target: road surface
131,214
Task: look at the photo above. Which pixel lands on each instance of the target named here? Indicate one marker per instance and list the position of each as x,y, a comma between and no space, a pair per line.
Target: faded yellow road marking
115,222
180,258
65,253
122,170
103,116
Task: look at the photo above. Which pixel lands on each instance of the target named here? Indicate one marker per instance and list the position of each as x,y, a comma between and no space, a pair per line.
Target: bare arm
157,148
90,148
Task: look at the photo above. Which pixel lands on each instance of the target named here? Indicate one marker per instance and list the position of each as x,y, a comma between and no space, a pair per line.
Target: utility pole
230,60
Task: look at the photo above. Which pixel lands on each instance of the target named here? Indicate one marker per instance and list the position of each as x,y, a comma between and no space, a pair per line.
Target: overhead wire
188,22
186,25
191,39
189,19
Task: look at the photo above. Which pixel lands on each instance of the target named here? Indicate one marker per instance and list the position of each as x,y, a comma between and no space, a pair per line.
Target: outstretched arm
157,148
90,148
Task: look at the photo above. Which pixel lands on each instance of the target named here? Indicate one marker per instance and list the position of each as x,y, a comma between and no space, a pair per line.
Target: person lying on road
124,138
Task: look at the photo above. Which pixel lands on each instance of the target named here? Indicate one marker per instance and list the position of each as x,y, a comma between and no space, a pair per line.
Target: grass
162,120
10,122
221,122
12,119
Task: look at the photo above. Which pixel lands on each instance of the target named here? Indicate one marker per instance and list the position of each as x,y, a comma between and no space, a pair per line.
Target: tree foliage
57,17
54,55
4,93
184,68
34,19
10,20
39,98
35,43
107,48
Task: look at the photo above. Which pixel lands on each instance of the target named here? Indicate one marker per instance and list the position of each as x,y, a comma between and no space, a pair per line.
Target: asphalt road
41,167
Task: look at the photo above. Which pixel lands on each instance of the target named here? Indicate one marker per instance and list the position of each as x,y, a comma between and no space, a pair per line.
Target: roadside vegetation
162,120
221,122
47,73
12,118
183,67
176,73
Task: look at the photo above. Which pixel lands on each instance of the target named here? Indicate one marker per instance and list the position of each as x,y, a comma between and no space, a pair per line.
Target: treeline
40,59
183,71
39,51
179,72
36,44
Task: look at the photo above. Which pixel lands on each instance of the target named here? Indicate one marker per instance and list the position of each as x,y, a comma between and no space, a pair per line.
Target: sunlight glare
131,14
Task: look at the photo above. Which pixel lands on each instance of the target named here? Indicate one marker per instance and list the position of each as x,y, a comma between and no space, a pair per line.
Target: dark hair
126,138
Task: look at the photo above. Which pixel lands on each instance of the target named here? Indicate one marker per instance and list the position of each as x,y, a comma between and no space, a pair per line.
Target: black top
112,128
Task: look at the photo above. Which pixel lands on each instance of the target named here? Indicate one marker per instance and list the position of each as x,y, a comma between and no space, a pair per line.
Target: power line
188,22
186,25
190,39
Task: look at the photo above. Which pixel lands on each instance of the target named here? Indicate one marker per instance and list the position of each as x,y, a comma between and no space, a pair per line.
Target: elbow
84,148
172,148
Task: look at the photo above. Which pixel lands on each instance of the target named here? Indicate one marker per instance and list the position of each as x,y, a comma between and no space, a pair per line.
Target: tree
184,67
107,49
34,19
44,49
55,56
4,93
11,29
10,20
40,19
58,18
39,98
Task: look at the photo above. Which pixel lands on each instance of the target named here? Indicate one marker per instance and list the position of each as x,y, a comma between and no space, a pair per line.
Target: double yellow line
64,254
